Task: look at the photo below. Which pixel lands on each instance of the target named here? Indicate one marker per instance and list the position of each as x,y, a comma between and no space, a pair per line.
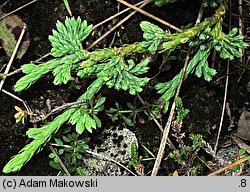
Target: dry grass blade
6,15
155,120
41,58
230,166
168,124
117,14
8,68
109,159
113,28
241,144
1,6
150,15
19,99
226,87
148,151
59,160
171,115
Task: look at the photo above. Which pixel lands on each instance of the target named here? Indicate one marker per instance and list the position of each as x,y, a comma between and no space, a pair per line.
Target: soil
203,99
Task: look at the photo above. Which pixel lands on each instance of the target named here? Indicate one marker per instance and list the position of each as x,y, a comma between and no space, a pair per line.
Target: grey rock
116,145
243,130
227,156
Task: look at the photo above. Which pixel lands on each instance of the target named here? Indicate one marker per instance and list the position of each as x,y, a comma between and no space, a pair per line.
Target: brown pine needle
230,166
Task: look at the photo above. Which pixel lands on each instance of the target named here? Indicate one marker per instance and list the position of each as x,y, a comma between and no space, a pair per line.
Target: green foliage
211,3
197,141
67,42
206,3
181,111
135,158
67,39
86,116
118,113
163,2
130,116
182,155
242,152
198,62
227,46
96,63
40,136
66,3
80,171
116,73
71,150
114,68
121,74
153,35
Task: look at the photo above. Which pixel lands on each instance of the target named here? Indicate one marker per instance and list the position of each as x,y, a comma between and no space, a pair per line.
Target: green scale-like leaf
153,35
228,45
62,73
95,63
66,41
122,75
211,3
197,64
61,68
67,38
85,117
115,72
34,72
40,136
163,2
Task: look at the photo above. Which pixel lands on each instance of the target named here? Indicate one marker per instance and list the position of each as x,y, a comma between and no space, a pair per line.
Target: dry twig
19,99
58,109
12,57
2,5
150,15
168,124
6,15
155,120
230,166
172,111
117,14
226,88
8,68
59,160
113,28
110,159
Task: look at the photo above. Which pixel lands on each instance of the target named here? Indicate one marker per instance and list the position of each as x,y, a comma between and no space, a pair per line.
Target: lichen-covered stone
226,156
116,145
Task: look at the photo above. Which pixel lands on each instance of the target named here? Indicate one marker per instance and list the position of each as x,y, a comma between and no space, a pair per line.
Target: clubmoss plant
115,68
